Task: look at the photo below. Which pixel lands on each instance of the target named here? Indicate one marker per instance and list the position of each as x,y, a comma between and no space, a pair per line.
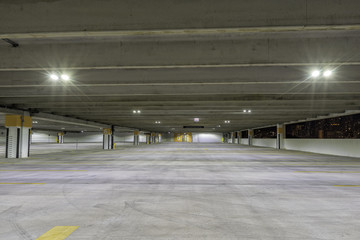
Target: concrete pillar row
233,137
18,136
152,139
136,137
250,137
107,139
60,138
280,136
148,136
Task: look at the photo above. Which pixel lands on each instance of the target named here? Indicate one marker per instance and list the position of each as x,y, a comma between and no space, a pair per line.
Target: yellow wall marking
346,185
58,233
328,171
22,183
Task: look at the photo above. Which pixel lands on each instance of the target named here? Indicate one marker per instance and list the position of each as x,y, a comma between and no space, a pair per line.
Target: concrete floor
181,191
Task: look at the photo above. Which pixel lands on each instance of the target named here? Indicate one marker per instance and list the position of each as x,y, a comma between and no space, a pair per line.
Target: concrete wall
85,137
340,147
167,137
43,137
244,141
264,142
128,137
207,137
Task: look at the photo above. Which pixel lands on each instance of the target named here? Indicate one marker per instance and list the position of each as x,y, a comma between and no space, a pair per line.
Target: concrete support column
136,137
60,138
250,136
239,137
156,138
148,136
233,137
112,137
225,137
152,138
159,137
107,139
18,136
280,136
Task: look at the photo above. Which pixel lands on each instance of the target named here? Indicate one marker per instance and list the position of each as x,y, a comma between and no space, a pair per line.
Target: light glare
54,77
327,73
315,73
65,77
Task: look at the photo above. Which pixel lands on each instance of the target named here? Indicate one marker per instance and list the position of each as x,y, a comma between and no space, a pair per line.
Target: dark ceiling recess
14,44
193,127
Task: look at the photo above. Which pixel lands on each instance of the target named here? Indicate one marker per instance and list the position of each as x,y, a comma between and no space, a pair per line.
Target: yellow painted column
107,139
18,136
148,136
250,136
153,138
60,138
280,136
136,137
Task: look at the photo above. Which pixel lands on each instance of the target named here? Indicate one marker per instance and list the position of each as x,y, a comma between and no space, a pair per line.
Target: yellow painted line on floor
327,171
346,185
23,183
58,233
34,170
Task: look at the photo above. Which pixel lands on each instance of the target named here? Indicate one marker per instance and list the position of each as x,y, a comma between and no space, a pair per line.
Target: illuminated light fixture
196,119
227,121
65,77
54,77
244,111
138,111
249,111
134,111
219,126
158,122
35,122
327,73
315,73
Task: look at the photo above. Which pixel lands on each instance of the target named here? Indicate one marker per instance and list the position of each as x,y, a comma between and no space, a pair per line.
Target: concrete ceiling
177,60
